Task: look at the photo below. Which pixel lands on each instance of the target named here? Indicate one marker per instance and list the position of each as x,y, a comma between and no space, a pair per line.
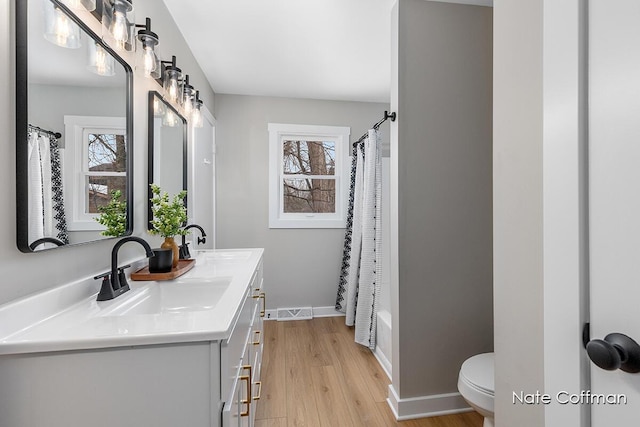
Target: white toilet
476,385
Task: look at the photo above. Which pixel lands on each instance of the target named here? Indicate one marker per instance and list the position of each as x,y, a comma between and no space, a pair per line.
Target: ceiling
318,49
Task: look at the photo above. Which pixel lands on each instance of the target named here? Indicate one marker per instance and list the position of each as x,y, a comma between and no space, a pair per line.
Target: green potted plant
113,215
169,216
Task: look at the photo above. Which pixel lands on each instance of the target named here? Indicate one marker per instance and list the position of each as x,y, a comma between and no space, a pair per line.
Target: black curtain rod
387,115
58,135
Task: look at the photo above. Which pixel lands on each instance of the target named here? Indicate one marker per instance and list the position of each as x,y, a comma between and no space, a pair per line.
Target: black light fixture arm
172,62
146,25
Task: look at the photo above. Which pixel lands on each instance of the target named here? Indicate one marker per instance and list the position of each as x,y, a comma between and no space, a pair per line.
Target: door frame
194,204
565,206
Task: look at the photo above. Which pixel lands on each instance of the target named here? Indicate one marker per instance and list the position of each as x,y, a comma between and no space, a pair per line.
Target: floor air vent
300,313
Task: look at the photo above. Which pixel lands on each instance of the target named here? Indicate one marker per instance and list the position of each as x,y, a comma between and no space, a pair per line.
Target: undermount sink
178,296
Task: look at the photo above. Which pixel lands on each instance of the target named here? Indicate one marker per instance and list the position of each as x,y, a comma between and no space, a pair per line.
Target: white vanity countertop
201,305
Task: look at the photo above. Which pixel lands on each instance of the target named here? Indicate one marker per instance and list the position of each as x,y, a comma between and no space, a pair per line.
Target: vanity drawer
234,347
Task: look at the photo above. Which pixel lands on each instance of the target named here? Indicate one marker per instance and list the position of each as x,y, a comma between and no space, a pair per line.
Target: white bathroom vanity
184,352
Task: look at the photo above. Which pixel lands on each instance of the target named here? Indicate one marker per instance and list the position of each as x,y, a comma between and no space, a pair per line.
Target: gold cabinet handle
264,303
247,401
259,384
256,337
256,293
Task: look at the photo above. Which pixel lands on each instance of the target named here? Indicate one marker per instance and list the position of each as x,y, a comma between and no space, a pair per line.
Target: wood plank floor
313,374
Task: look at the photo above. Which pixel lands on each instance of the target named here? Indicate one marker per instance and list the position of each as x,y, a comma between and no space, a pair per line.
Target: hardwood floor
313,374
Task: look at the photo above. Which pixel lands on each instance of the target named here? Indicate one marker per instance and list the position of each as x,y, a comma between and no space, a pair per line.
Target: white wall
302,266
441,171
24,274
518,209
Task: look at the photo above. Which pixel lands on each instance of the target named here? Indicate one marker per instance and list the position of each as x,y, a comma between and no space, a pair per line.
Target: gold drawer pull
256,337
247,401
259,384
264,303
256,293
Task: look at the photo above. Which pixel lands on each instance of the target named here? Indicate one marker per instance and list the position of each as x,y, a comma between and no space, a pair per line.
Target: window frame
278,132
75,155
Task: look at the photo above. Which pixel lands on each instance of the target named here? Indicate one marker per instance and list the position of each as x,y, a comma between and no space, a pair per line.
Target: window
308,176
95,165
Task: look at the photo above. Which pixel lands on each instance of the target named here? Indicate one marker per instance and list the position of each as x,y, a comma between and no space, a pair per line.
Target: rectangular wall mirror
167,148
73,129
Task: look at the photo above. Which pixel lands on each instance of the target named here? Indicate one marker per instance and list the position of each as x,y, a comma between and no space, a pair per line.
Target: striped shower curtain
359,283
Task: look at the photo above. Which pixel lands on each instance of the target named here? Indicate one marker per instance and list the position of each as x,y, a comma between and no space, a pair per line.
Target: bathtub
383,341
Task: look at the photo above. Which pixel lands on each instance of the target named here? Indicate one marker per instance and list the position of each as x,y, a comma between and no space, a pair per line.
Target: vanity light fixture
188,97
100,62
196,114
171,81
59,29
148,41
118,22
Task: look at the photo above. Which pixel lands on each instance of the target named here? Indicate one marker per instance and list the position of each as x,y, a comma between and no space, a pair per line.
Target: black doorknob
616,351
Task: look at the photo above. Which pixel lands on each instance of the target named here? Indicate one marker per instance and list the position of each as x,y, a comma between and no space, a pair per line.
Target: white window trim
74,172
279,219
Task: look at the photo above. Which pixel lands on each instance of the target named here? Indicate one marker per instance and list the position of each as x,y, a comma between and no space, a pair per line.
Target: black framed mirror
167,149
73,129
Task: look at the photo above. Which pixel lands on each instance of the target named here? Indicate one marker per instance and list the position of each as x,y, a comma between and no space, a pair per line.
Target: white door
614,197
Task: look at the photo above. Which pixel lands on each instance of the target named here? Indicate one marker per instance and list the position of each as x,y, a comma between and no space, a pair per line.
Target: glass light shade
100,61
118,23
188,98
147,57
89,5
59,29
171,85
196,114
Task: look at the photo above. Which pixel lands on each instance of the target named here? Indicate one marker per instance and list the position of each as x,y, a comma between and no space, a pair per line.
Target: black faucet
115,283
184,248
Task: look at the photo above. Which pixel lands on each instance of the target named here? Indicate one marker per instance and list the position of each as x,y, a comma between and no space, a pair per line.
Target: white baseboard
426,406
328,311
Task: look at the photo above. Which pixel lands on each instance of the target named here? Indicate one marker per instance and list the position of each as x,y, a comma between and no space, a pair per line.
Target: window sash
339,137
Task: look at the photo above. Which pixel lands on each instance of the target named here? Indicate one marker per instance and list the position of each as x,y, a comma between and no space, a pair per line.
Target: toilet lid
478,371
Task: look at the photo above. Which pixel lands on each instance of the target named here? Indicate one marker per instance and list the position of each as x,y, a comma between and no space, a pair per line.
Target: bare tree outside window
107,159
309,185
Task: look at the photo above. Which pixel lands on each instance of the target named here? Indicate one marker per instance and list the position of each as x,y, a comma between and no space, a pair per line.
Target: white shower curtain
360,276
36,208
46,203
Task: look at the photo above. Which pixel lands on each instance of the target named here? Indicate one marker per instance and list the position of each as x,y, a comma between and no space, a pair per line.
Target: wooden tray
184,265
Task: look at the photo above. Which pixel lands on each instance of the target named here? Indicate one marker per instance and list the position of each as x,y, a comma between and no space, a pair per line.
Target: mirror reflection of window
96,160
106,168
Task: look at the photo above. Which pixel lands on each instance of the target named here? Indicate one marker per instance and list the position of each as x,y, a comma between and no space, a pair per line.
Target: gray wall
48,104
25,274
518,209
444,104
301,265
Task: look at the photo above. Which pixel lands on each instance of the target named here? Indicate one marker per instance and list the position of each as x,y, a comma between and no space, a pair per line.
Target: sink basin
177,296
